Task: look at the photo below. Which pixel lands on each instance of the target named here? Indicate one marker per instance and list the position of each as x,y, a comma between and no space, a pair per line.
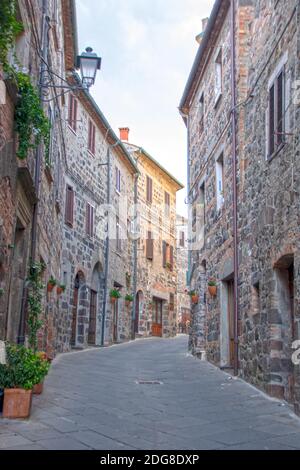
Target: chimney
124,133
204,25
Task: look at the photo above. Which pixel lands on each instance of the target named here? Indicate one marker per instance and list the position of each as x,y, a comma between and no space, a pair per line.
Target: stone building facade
243,196
29,203
156,261
183,298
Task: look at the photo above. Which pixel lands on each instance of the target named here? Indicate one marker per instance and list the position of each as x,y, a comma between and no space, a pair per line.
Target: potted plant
212,287
128,299
23,369
194,296
114,295
51,284
60,289
39,387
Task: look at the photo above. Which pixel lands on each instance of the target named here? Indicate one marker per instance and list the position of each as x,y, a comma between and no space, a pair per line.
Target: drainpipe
38,163
135,258
234,188
106,250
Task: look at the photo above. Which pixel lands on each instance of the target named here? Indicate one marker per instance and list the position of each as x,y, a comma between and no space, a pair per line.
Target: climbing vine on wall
35,295
10,27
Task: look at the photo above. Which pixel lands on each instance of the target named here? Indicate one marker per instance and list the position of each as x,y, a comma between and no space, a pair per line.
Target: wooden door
157,318
230,285
93,318
291,377
74,315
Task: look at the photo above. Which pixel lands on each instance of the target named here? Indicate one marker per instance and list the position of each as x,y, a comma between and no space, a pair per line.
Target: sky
147,49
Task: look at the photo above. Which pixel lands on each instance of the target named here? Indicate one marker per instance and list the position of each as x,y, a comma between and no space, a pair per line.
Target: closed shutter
149,190
171,257
89,220
69,210
149,246
164,248
280,107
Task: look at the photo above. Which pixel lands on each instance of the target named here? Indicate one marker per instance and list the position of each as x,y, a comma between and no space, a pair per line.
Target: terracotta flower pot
113,300
38,388
17,403
212,290
59,290
50,287
195,299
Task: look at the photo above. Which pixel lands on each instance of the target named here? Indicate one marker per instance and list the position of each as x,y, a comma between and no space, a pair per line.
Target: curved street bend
150,395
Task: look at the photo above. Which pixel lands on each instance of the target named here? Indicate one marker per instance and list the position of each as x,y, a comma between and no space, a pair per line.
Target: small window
118,180
91,137
89,220
218,76
201,114
276,114
182,239
149,188
256,299
220,181
149,246
167,204
168,256
73,112
69,209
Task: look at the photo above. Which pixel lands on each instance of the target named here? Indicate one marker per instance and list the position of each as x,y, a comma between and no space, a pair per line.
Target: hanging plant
31,123
10,27
35,295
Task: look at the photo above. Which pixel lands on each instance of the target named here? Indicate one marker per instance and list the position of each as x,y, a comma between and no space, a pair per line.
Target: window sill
118,192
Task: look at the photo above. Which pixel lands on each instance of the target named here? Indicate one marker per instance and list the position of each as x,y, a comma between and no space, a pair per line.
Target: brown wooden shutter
69,210
164,249
149,246
149,189
182,239
89,220
172,257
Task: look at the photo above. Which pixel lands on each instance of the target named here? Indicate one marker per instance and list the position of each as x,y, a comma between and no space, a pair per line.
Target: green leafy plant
52,281
192,293
212,282
31,123
129,298
114,294
10,27
35,295
23,369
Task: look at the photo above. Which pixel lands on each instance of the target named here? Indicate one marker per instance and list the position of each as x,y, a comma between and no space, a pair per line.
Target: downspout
234,189
38,162
106,250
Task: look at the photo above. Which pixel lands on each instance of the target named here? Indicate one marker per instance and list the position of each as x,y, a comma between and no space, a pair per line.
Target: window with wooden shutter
182,239
218,76
73,112
167,204
149,189
149,246
91,137
164,249
172,302
89,220
171,260
69,209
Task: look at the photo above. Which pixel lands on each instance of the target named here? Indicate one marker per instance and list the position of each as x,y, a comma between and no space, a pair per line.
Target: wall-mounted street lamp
89,63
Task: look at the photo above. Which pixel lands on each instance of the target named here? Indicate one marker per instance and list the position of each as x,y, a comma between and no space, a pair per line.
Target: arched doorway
78,284
138,310
96,295
283,332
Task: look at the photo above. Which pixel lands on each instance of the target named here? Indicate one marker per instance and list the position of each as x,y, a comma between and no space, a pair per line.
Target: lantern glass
89,63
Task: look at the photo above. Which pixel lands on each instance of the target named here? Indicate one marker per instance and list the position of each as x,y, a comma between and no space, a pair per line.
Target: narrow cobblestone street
96,399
